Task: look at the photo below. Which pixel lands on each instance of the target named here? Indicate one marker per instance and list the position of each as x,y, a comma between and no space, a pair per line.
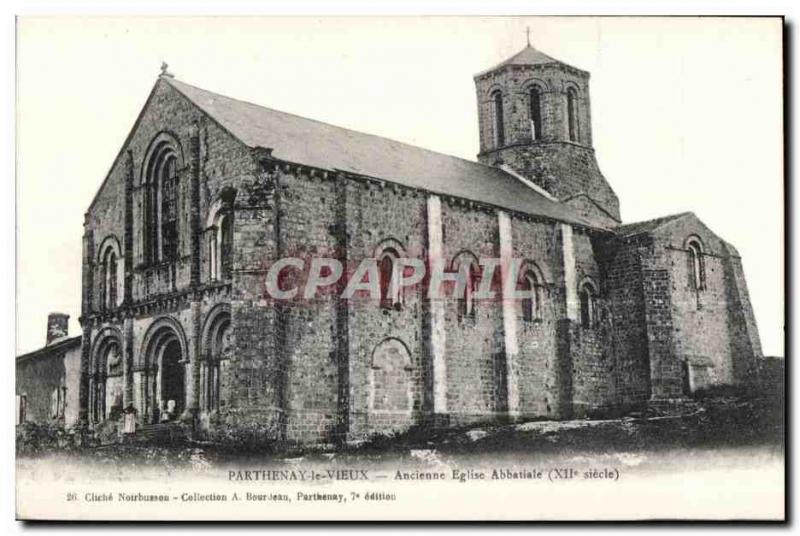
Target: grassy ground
709,425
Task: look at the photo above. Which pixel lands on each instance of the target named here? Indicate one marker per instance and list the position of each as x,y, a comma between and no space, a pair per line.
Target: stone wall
539,245
712,326
569,172
622,268
670,337
592,371
39,376
378,215
473,344
309,344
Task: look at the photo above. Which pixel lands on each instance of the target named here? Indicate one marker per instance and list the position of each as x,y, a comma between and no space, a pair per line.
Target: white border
789,8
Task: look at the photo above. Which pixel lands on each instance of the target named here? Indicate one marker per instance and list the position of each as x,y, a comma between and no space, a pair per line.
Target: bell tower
535,120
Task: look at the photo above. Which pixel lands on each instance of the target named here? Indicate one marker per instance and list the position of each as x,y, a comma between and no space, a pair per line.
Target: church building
208,192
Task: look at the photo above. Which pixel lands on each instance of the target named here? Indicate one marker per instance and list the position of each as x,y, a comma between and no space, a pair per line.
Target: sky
686,115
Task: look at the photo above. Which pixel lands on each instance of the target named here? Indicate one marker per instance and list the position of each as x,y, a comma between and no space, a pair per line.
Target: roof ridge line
305,118
667,217
658,222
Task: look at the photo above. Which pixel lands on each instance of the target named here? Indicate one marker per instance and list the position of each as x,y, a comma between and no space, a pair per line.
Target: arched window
697,273
226,243
531,303
219,234
588,297
466,264
572,113
387,262
169,209
536,112
110,280
160,202
111,268
109,272
499,129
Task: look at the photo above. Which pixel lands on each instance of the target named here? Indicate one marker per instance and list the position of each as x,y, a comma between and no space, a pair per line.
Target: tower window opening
536,113
572,114
499,128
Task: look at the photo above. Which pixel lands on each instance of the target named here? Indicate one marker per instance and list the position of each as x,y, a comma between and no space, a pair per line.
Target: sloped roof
305,141
526,56
647,226
54,347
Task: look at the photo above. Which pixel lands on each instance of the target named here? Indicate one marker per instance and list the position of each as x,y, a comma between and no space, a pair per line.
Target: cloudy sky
687,115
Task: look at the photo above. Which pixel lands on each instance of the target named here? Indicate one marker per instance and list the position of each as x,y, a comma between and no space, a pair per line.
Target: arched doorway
165,372
106,382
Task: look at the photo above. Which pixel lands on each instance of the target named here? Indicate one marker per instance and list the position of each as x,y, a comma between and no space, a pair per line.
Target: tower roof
527,56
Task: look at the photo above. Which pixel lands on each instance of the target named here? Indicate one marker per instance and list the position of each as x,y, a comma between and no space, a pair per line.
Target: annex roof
54,347
647,226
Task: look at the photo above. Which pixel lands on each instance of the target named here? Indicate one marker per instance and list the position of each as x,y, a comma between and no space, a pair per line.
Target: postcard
400,268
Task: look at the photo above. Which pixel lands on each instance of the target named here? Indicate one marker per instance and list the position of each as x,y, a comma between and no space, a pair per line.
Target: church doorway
163,380
173,382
